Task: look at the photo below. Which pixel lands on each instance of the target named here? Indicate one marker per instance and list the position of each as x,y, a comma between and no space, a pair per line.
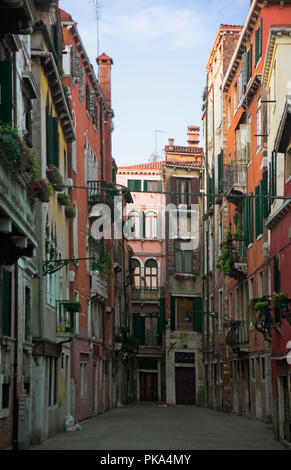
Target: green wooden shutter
265,193
261,37
246,222
139,328
244,69
258,210
257,47
277,277
197,314
250,62
274,173
56,146
6,302
160,187
49,140
142,224
134,185
251,218
161,320
173,313
6,92
145,185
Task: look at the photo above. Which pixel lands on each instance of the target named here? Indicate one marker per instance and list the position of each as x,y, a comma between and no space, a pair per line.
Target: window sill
260,236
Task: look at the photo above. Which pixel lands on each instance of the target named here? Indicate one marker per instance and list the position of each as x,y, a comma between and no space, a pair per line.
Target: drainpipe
101,142
207,239
15,363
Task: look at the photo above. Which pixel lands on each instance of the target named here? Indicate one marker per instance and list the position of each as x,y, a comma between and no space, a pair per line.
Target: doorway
148,386
185,386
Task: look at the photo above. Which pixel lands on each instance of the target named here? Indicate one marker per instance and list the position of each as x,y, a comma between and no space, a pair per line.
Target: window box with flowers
64,199
70,211
42,189
55,177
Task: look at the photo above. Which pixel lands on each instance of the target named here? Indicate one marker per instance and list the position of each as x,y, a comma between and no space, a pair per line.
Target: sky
159,50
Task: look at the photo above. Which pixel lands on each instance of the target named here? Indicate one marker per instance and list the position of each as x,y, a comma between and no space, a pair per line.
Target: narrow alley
154,426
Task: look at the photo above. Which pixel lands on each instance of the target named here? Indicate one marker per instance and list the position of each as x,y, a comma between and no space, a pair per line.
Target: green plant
223,260
64,199
261,305
42,190
31,165
70,211
11,139
281,299
55,177
103,262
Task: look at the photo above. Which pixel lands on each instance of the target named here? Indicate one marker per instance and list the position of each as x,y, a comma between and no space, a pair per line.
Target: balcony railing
95,191
235,179
238,336
99,286
65,322
145,293
103,192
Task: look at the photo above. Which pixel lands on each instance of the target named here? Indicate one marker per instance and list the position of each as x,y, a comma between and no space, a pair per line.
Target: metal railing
145,293
238,333
65,320
235,174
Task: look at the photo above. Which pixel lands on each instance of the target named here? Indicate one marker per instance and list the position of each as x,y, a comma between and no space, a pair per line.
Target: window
88,98
230,305
153,186
84,379
183,260
253,368
27,307
228,112
263,368
151,274
151,331
183,190
235,98
134,185
220,308
151,219
184,313
259,123
258,43
134,224
260,284
6,302
136,271
53,374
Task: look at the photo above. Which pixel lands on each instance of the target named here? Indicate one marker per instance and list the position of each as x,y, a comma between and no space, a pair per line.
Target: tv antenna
97,6
155,155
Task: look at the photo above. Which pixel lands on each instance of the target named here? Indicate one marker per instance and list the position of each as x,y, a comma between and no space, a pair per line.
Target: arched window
151,274
151,225
136,271
134,217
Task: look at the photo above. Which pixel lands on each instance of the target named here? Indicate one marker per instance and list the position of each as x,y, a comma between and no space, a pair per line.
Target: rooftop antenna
98,17
155,156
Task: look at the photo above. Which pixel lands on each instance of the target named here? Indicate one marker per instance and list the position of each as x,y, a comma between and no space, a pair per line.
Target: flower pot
55,177
70,212
64,199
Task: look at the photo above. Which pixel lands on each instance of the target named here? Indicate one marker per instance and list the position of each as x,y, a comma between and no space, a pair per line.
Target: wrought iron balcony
145,294
101,192
235,181
238,336
96,191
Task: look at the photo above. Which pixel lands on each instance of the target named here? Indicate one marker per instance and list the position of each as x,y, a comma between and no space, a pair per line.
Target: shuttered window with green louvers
6,92
220,172
258,212
173,313
258,43
56,144
134,185
264,190
139,328
49,138
6,302
197,314
210,191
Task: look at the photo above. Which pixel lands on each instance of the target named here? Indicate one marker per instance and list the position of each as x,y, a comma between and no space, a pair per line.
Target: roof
143,166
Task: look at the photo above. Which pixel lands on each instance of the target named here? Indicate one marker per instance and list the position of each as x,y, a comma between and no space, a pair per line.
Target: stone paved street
160,427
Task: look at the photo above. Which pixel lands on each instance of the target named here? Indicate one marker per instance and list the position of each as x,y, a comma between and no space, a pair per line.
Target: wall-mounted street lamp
53,265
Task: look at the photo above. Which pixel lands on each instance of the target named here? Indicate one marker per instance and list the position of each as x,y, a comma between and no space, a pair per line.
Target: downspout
207,241
101,143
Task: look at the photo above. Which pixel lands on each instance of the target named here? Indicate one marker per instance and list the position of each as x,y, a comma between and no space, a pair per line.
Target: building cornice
275,32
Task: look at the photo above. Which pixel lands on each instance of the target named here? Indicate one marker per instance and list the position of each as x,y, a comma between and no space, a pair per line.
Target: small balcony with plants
66,319
232,257
145,294
238,336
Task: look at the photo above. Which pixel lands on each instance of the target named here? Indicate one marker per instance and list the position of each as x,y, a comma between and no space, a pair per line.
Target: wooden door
185,386
148,386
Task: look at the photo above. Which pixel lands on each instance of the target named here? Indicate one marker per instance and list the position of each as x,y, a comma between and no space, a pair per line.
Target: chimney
104,63
171,142
193,136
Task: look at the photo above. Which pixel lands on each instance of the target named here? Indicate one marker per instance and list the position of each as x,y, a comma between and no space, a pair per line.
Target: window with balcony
151,274
136,270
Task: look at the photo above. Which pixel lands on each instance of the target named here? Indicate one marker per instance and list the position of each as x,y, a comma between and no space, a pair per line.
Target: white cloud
180,28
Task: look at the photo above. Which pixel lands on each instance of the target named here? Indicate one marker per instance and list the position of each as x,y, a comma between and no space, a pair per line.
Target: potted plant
11,140
55,177
64,199
280,299
42,190
70,211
